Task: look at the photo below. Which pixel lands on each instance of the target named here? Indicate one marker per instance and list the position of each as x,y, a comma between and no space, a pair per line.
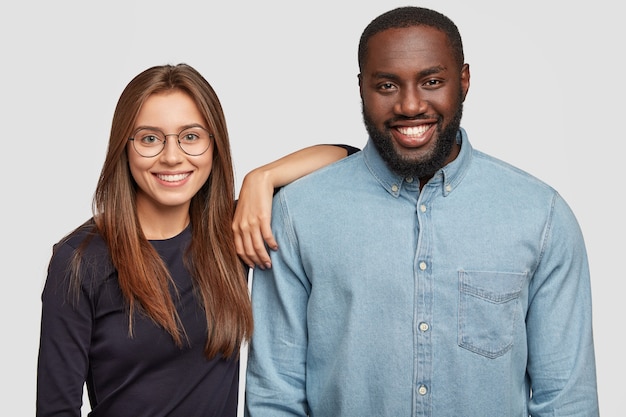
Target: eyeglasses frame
132,139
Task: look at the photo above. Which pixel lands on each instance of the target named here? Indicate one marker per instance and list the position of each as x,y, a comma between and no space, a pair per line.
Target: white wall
546,94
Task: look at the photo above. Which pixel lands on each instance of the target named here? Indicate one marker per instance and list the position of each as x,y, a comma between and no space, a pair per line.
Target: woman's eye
190,137
150,139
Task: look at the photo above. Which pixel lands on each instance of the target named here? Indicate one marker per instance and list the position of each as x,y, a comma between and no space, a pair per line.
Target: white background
547,94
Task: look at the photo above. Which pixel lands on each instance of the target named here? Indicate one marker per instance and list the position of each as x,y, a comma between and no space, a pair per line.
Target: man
421,277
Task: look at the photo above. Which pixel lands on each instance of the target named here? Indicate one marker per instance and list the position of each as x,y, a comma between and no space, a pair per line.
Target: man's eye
387,87
432,83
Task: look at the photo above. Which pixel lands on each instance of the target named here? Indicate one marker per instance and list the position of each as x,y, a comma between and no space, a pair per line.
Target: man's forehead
416,45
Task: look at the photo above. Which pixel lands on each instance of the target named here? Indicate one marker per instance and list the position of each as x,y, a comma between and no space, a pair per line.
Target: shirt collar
448,177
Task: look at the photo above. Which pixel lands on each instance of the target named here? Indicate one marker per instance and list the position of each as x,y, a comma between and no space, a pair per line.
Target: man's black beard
424,168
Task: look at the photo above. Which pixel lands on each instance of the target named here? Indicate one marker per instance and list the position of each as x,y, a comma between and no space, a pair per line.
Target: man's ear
360,78
465,80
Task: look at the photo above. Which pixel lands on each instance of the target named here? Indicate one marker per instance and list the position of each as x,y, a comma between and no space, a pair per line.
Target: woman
147,302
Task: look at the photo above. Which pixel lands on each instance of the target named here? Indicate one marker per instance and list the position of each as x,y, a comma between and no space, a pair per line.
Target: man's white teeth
414,130
173,178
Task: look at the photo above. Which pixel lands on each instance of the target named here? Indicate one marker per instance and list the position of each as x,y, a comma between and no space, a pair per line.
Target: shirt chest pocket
489,310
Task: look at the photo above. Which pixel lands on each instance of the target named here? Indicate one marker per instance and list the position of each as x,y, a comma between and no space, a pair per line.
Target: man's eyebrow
424,73
385,76
432,70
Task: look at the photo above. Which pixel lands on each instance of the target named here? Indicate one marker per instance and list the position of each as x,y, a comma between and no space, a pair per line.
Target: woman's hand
252,219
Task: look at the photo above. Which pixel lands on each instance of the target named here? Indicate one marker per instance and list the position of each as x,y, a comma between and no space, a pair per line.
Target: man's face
413,90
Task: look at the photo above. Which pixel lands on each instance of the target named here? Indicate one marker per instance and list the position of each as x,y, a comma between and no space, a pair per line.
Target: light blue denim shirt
456,301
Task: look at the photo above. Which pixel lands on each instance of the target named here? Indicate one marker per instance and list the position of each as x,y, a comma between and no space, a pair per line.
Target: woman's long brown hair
219,277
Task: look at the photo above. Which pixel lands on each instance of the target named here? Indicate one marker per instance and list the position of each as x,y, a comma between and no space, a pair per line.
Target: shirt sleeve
561,361
349,149
275,383
65,336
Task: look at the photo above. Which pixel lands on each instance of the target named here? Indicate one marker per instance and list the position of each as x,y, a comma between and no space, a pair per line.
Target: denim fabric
456,301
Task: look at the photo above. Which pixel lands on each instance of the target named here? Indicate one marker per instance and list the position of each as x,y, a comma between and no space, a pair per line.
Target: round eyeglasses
149,142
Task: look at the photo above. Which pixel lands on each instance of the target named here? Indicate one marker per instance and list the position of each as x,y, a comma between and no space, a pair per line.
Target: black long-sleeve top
144,375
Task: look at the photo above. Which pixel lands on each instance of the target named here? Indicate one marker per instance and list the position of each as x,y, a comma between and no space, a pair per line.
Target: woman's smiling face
171,178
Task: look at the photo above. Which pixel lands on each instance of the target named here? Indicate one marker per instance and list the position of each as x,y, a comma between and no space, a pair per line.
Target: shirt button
394,188
423,326
422,265
448,188
423,208
409,179
422,390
